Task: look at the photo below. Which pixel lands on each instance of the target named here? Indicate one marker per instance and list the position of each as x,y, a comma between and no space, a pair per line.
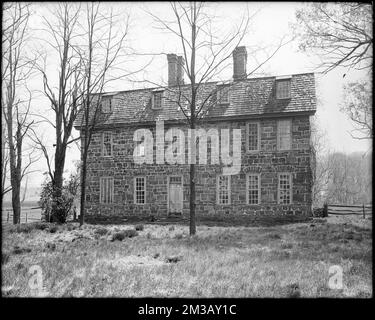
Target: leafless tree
16,98
63,94
358,106
206,52
350,179
340,33
101,55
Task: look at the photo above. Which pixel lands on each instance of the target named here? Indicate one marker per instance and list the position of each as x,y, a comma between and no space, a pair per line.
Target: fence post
325,210
363,207
7,215
26,216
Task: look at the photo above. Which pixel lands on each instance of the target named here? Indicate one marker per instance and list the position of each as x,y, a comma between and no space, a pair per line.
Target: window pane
223,189
106,190
253,136
284,134
285,188
107,143
253,189
140,190
157,99
283,89
106,105
223,94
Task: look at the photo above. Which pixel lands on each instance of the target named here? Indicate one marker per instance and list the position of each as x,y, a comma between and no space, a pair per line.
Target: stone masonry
268,162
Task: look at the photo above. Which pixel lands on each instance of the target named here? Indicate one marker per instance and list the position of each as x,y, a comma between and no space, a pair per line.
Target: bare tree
206,53
62,93
16,98
358,106
350,179
339,33
100,56
319,166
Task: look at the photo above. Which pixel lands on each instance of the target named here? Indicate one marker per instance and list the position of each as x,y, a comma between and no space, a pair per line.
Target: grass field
163,261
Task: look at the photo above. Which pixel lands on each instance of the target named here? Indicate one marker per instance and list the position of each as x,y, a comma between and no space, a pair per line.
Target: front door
175,193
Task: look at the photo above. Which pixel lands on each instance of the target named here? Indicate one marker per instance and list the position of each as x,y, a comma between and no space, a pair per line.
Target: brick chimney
180,70
172,69
175,69
239,63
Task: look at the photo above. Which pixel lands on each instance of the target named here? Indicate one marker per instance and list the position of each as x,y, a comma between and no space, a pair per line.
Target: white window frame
280,96
106,104
108,184
247,135
135,190
111,143
154,93
258,189
218,193
278,135
219,94
290,175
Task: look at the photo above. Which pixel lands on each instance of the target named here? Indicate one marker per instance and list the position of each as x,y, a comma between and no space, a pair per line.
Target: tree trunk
83,189
58,214
16,203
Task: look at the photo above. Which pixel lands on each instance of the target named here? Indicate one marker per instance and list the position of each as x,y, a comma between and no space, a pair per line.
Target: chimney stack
175,69
239,63
180,70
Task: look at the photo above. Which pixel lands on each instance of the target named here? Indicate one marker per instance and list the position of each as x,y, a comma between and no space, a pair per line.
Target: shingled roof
250,97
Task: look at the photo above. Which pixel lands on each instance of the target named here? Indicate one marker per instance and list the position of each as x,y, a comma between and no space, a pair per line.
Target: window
106,190
284,135
106,104
223,94
157,99
223,189
253,189
283,89
253,136
285,188
107,144
140,190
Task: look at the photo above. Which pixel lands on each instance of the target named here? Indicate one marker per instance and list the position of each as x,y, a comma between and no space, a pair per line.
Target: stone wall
268,162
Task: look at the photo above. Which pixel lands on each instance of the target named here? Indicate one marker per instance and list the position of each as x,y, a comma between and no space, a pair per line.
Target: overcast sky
270,24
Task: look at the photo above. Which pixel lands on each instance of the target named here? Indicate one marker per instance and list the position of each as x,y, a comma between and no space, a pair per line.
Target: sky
271,22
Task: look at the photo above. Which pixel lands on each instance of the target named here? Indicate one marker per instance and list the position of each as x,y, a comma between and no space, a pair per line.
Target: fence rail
341,209
27,215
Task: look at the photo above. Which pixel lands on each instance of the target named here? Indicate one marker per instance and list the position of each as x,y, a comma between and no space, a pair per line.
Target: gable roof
248,97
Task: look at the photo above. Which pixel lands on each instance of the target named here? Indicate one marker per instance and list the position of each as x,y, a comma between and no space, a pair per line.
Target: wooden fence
341,209
27,215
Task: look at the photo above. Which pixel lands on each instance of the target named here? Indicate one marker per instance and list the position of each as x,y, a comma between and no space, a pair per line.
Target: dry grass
283,261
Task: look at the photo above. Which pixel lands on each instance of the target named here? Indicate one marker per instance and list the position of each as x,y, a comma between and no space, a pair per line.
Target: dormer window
106,104
222,94
157,99
283,88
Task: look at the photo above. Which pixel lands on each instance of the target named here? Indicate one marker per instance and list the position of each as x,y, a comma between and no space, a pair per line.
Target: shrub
57,208
118,236
139,227
20,250
130,233
22,228
179,236
40,225
287,245
273,236
101,231
53,229
292,291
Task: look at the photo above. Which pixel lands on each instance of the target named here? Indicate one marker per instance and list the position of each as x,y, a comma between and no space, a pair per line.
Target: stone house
275,176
